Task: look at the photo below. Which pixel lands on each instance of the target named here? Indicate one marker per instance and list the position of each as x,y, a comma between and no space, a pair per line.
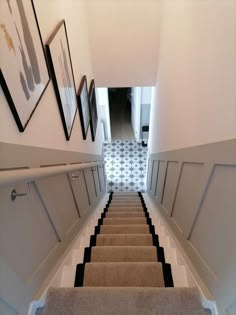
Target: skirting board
52,280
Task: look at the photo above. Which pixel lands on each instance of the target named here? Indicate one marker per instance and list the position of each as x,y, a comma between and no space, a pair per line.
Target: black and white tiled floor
126,162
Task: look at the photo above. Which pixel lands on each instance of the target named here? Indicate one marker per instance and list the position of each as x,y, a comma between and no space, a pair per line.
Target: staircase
124,269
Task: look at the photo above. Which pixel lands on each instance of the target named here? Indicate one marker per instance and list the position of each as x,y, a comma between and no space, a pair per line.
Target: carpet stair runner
124,269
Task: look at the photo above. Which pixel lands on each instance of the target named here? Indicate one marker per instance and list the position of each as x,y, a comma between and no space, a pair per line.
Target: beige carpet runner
124,269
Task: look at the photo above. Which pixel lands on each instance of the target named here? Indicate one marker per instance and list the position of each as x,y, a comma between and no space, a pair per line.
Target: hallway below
126,162
120,114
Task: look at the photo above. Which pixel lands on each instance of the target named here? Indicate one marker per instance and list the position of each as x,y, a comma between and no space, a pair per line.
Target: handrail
29,175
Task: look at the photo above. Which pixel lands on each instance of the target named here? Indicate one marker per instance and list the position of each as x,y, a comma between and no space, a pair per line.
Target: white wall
124,37
136,111
195,101
146,94
45,127
103,102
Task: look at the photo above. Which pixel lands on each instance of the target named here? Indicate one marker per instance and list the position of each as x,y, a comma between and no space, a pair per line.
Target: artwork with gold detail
23,69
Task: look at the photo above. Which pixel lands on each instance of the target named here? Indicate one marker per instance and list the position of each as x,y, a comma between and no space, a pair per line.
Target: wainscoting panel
6,309
80,192
188,196
58,198
101,173
26,234
172,176
96,181
37,229
231,310
90,184
154,177
217,221
161,180
199,205
149,174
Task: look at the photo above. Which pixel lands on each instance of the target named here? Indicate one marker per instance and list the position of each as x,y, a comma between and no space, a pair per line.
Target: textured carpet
123,301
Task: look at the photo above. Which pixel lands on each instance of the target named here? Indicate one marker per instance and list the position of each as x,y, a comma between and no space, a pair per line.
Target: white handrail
29,175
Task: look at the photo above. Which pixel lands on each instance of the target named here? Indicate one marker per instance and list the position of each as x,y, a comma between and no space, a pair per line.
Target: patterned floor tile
126,162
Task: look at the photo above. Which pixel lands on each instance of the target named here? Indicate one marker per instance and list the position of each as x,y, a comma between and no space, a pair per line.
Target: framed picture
93,110
83,103
62,76
23,70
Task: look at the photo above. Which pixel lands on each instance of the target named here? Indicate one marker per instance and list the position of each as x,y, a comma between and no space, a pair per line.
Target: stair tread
125,209
132,198
125,204
124,239
124,254
125,301
126,199
127,214
124,274
124,221
127,229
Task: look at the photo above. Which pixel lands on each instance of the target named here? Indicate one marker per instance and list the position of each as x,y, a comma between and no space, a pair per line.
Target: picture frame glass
24,74
93,109
63,78
83,103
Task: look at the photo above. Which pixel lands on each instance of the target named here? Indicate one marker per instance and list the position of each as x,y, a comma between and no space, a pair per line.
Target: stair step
125,229
125,194
124,254
124,221
126,198
125,301
125,209
125,274
125,204
126,201
124,240
127,214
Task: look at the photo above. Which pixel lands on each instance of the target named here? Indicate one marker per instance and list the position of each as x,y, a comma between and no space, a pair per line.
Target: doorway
120,113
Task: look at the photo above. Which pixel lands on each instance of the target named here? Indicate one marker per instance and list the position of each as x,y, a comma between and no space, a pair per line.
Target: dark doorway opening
120,113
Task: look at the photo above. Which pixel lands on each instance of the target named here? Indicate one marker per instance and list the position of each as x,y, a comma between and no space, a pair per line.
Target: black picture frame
93,110
83,105
24,74
60,64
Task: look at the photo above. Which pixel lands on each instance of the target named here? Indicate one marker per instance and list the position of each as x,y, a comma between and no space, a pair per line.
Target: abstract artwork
126,165
83,104
62,76
93,110
23,70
